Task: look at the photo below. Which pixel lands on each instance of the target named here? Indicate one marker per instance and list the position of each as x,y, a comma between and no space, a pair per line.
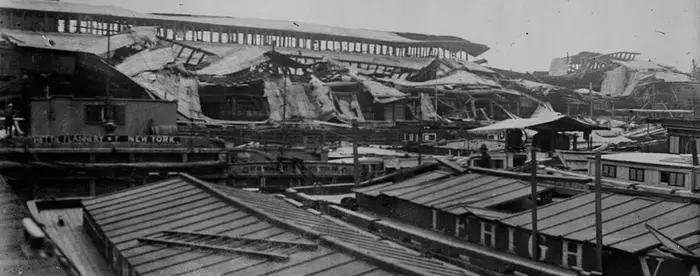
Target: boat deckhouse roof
467,193
624,220
493,211
650,159
185,226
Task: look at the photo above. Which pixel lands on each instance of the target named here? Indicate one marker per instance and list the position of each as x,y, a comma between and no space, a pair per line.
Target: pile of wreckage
256,87
324,89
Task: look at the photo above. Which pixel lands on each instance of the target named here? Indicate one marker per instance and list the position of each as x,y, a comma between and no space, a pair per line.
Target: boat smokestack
599,213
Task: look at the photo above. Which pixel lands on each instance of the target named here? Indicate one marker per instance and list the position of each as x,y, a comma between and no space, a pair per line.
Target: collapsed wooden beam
194,245
302,245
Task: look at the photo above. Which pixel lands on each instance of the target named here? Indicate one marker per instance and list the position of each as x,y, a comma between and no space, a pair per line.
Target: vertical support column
420,128
355,157
552,143
694,152
533,197
93,185
598,214
324,153
34,191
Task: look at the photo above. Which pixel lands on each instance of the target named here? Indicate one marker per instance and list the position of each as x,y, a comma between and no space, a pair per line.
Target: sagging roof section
183,225
413,63
624,220
473,49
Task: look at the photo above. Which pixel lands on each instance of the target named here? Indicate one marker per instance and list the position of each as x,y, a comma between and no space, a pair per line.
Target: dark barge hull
37,172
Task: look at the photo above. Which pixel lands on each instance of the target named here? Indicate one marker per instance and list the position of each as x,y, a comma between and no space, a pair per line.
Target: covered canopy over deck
545,120
553,122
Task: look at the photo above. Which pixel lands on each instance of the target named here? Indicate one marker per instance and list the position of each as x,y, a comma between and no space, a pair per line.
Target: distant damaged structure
630,83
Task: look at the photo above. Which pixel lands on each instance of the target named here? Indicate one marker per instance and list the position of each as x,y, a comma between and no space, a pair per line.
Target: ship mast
108,73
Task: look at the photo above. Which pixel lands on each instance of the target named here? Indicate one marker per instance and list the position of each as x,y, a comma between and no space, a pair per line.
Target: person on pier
485,160
10,121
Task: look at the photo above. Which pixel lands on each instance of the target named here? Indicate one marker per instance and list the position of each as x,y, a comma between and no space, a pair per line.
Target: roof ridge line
247,207
350,248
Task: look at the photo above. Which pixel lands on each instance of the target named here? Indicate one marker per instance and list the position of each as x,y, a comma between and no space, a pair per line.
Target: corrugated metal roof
68,7
235,61
79,42
196,208
147,60
638,64
82,42
456,77
76,8
413,63
468,65
456,194
63,41
624,218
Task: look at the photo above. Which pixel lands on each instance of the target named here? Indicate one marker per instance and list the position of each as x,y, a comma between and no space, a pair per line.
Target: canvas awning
556,122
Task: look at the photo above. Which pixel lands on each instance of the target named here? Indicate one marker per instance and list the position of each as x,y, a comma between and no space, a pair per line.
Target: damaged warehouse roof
447,42
231,64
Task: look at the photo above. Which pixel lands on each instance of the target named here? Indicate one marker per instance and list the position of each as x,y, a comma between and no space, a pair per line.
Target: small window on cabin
430,137
96,114
636,174
119,116
609,171
672,179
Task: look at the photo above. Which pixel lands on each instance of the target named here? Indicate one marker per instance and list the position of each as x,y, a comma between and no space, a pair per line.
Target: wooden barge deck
16,257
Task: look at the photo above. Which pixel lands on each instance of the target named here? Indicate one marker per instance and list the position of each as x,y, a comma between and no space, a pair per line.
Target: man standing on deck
485,160
9,120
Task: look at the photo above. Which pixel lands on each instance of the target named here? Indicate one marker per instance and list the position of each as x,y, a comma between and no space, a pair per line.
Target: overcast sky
522,35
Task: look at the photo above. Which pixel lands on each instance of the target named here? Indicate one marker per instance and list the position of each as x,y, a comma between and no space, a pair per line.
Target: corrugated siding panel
614,82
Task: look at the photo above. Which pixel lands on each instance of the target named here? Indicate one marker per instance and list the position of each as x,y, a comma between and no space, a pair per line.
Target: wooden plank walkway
16,258
74,241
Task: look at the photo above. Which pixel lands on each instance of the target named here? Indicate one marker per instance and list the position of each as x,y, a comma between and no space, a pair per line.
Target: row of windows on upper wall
103,28
674,179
